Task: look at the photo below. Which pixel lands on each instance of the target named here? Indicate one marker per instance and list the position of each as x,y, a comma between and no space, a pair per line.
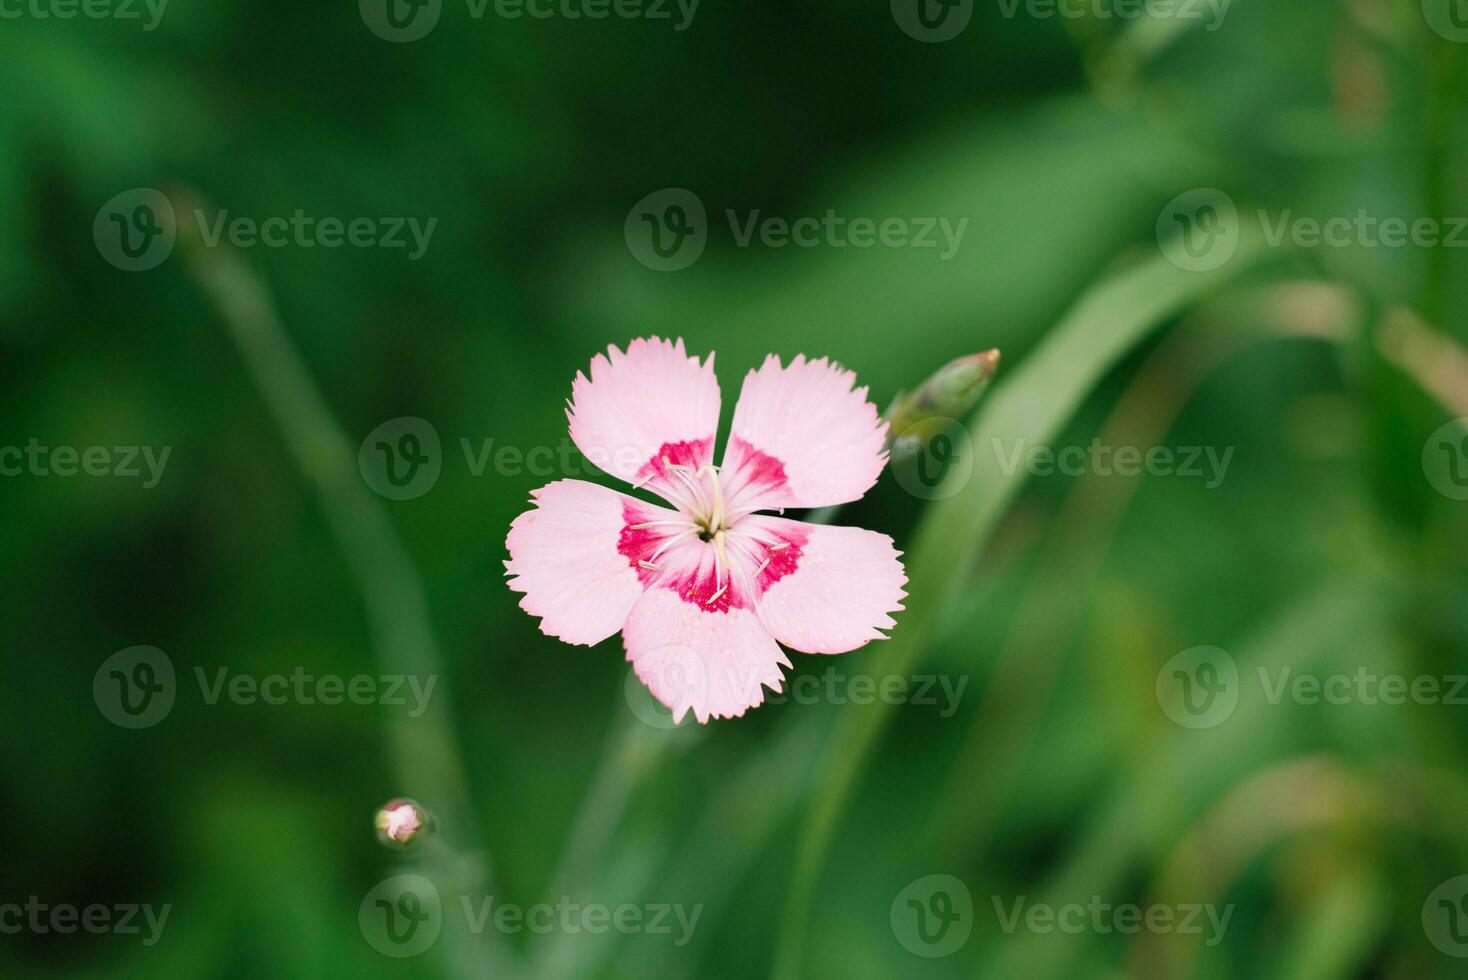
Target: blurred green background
1332,545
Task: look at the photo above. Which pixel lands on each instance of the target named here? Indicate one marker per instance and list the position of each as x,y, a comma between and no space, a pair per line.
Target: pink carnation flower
705,590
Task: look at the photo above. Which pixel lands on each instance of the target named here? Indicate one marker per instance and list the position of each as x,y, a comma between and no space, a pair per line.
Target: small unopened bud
947,396
403,823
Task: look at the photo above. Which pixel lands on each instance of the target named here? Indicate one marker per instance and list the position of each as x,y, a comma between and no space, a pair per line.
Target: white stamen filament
683,473
732,515
740,568
720,560
669,541
716,518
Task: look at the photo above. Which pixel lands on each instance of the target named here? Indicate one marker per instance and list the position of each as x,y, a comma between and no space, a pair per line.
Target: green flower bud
947,396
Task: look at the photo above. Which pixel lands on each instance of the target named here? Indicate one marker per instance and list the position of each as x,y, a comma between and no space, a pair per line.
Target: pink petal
715,662
830,589
802,437
567,556
640,410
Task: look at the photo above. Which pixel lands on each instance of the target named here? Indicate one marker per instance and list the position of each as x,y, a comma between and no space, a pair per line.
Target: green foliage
1057,599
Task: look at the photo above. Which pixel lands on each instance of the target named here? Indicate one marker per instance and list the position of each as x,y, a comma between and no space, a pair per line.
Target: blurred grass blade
1337,933
1174,778
1032,404
425,754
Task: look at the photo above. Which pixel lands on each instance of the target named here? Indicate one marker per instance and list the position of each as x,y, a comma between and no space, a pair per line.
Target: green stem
1032,405
1444,82
424,754
632,756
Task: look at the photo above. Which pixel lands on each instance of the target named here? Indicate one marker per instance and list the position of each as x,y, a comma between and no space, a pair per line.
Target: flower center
712,520
742,552
701,499
706,513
